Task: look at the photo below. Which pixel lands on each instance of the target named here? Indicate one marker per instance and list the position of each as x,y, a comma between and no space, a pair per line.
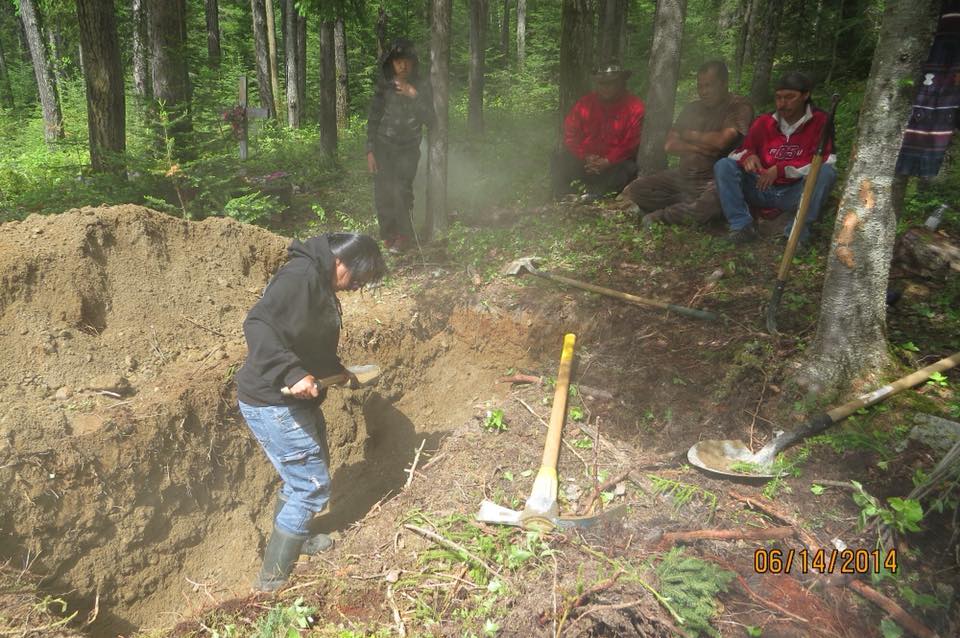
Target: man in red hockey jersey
601,134
769,169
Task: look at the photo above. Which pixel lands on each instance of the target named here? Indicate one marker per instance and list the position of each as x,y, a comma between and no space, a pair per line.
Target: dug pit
130,480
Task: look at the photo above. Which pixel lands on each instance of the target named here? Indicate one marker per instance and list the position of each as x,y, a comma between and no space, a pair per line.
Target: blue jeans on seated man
294,438
738,191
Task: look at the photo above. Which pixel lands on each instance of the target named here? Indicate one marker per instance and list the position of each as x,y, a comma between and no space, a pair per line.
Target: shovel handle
320,384
616,294
551,449
824,420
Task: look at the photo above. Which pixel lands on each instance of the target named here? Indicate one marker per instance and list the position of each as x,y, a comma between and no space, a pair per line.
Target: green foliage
494,421
253,208
682,493
903,515
285,621
692,585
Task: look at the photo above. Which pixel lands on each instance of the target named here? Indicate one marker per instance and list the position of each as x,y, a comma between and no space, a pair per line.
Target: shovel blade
721,456
490,512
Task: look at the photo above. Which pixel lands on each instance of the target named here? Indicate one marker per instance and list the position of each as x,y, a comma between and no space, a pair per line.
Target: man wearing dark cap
706,130
601,134
768,170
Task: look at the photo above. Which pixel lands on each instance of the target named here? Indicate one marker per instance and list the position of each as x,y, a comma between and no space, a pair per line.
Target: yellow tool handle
800,218
551,449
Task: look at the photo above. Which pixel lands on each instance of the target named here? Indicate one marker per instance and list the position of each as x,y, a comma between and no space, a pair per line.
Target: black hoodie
295,327
393,118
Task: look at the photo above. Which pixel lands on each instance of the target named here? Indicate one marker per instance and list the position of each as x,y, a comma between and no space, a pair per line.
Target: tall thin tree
663,72
103,74
291,42
343,78
612,30
381,31
763,63
328,91
46,86
272,50
166,31
576,46
141,67
851,331
505,30
478,47
212,14
6,92
258,13
521,33
302,62
440,23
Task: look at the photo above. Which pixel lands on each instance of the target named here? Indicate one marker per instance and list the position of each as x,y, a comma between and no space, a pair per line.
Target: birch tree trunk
576,44
262,49
343,86
291,47
851,332
662,93
328,91
763,64
6,92
166,26
440,19
521,33
302,64
212,13
478,46
46,87
103,75
272,50
141,69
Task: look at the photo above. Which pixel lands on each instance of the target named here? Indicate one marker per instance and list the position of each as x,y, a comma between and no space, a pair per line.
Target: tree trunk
575,52
212,10
272,50
343,86
328,91
613,28
6,92
46,87
141,70
302,64
478,47
381,31
440,19
851,332
662,94
258,11
521,33
838,29
763,64
748,18
291,47
55,50
505,30
103,74
166,22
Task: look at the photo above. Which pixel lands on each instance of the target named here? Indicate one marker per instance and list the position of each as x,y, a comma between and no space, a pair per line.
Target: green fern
691,585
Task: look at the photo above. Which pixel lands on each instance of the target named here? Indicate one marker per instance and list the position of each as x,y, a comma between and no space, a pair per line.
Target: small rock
49,347
88,358
110,383
37,230
221,282
64,393
24,330
130,362
66,334
716,275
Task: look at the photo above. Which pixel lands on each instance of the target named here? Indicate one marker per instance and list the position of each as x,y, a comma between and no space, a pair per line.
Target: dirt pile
131,482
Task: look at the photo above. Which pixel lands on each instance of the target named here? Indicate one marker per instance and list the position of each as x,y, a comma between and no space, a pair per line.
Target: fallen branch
413,466
443,542
580,601
401,629
599,489
896,612
768,534
200,325
778,513
594,393
521,378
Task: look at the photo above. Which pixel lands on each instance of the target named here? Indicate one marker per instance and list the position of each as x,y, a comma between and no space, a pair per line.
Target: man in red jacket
770,167
601,134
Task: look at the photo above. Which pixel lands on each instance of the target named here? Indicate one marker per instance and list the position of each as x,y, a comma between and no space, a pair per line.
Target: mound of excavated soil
131,482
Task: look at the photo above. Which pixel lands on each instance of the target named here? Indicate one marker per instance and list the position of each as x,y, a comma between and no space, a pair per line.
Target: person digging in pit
706,130
402,105
292,334
601,134
768,170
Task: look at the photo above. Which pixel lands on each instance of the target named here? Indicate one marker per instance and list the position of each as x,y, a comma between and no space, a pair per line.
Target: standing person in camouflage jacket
402,104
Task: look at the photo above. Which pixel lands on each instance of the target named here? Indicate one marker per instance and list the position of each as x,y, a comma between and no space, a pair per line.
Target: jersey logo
787,152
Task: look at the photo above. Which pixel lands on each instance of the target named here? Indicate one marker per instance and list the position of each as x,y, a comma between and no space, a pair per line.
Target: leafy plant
691,585
494,421
938,379
252,208
576,413
286,621
903,514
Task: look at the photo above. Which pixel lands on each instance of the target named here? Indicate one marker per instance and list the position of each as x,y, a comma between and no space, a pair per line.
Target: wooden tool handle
551,449
320,384
625,296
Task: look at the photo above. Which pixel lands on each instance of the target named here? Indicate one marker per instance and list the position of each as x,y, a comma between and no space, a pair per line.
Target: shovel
541,512
526,264
799,221
366,375
733,458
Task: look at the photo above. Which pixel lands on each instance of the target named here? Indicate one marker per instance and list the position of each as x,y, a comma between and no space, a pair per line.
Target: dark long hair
360,254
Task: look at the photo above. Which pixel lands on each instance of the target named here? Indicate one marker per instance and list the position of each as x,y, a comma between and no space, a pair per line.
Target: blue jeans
738,191
294,438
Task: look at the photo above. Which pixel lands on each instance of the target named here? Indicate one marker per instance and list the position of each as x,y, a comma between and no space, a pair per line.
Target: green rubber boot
315,543
279,557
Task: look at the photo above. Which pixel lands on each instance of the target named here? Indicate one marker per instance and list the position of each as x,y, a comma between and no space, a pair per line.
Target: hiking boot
742,236
283,550
315,543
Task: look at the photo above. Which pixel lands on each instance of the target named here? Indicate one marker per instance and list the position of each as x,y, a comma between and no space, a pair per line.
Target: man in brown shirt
705,131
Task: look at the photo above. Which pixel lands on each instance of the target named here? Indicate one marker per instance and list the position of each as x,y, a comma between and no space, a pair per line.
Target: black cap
794,81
